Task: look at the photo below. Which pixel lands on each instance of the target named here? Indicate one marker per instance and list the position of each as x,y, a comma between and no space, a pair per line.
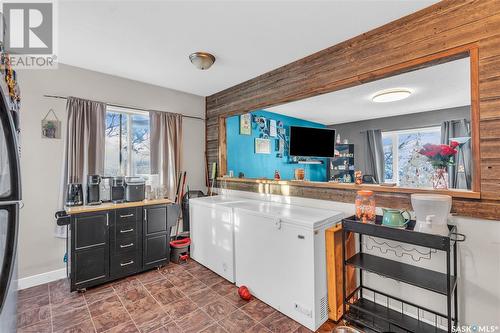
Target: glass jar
365,206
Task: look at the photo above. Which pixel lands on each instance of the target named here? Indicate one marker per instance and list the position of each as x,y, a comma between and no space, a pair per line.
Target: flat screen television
313,142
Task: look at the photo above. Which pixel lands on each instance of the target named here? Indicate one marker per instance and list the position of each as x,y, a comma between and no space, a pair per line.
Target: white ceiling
150,41
433,88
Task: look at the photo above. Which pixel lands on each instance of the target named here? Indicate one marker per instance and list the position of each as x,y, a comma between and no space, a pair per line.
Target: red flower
454,144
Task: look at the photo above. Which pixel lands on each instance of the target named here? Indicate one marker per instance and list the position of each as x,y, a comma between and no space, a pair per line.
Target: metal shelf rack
378,317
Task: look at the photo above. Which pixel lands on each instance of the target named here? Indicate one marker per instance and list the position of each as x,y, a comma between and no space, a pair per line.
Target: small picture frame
51,128
246,124
262,146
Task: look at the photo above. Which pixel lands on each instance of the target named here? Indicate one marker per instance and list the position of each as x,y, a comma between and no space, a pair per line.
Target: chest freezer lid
307,217
221,200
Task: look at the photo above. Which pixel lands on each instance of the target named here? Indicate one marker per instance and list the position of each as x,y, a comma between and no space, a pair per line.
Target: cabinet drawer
126,245
125,265
126,230
126,215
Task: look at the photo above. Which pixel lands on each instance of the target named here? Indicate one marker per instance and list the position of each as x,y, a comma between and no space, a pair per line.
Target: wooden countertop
456,193
110,206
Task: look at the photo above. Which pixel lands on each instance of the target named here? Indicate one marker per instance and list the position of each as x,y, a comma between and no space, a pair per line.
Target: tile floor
176,298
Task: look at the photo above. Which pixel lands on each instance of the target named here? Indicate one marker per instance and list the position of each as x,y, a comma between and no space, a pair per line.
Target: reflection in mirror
410,130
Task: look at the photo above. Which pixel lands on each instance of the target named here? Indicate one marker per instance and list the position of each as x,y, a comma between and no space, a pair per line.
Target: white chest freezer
280,256
212,233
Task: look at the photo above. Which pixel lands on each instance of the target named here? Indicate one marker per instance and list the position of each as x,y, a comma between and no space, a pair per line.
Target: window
127,143
403,164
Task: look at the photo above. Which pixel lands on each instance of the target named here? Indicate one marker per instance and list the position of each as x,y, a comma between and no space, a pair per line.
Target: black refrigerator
10,196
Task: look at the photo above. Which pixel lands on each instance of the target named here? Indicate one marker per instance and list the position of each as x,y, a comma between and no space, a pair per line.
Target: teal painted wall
241,156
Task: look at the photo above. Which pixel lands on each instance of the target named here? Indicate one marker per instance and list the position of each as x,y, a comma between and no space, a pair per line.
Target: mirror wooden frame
468,50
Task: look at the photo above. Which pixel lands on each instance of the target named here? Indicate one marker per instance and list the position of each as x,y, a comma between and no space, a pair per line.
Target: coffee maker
118,190
74,195
105,189
93,182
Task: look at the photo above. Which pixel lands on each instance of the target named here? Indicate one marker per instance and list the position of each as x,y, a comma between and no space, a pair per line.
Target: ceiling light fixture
391,95
202,60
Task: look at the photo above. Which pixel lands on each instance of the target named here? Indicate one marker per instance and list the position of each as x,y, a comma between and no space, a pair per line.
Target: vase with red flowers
440,157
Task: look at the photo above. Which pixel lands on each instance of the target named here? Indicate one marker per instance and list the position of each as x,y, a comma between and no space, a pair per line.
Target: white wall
479,264
41,159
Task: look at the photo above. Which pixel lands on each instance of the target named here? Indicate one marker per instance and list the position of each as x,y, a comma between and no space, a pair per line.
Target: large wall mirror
416,129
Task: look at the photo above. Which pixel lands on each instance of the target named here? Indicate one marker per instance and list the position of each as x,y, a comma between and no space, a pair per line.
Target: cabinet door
90,249
156,232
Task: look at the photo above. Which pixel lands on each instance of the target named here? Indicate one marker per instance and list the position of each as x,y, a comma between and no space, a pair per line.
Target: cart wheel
81,291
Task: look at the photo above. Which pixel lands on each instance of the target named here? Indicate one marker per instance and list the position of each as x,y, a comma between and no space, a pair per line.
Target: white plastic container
432,211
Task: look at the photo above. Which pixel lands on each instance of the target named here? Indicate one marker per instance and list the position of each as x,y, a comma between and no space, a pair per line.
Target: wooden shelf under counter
110,206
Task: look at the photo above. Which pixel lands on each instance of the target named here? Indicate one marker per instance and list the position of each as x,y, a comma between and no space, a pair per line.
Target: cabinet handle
107,220
145,215
127,245
125,231
127,263
128,215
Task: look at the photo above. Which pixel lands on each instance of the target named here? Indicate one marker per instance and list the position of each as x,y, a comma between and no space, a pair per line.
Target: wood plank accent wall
447,24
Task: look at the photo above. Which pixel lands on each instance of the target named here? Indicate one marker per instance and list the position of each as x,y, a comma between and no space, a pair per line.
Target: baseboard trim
39,279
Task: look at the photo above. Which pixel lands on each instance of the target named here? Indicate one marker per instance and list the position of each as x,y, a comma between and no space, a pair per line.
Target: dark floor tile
127,327
204,297
210,278
35,291
32,303
150,276
99,293
168,295
150,321
191,286
171,269
126,284
259,328
70,318
219,309
194,322
67,304
215,328
146,304
224,288
133,295
180,307
258,310
169,328
110,319
236,322
303,329
181,278
192,265
33,316
236,300
158,286
41,327
105,305
279,323
84,327
60,290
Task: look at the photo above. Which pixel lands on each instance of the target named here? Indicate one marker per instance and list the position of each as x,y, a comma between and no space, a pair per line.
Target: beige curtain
84,142
166,148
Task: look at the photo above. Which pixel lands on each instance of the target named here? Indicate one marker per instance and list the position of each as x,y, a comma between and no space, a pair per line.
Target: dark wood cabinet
115,243
90,249
156,248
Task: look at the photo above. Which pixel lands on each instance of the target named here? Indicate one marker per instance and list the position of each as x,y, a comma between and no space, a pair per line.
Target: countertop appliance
118,189
105,189
10,198
93,190
135,189
74,195
432,211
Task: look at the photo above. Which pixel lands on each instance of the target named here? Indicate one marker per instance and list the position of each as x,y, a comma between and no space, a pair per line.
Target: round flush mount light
202,60
391,95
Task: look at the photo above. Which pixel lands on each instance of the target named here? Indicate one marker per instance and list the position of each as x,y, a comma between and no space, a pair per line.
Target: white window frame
395,142
128,113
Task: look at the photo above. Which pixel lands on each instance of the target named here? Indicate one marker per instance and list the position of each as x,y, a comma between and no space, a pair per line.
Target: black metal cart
362,310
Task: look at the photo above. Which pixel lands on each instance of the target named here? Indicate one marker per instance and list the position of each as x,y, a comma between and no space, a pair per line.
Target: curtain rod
129,107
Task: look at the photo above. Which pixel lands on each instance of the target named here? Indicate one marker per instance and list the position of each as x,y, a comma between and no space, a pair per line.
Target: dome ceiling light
391,95
202,60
